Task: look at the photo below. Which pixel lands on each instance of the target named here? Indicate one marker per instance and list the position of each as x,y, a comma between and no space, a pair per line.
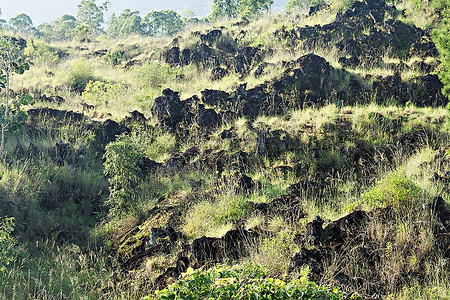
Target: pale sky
48,10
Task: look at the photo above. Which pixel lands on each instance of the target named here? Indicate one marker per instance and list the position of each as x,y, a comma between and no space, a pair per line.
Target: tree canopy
21,23
90,18
223,9
162,23
127,23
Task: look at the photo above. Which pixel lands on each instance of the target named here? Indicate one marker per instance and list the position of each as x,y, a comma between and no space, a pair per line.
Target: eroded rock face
216,98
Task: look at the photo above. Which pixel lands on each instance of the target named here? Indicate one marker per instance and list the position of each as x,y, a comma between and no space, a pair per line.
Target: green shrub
6,242
99,92
441,37
79,75
122,158
155,75
41,53
250,282
395,189
115,58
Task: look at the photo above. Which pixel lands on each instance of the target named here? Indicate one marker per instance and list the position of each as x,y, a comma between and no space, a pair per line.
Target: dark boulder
316,8
350,47
186,57
442,212
427,91
313,258
168,109
423,48
246,58
243,22
39,115
110,129
218,73
261,70
314,232
349,62
172,56
148,166
62,150
216,98
204,55
100,52
211,37
337,232
391,88
233,245
207,119
228,133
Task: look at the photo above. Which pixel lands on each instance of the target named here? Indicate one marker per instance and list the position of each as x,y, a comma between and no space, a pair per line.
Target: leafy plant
79,75
6,242
12,61
395,189
122,158
249,282
441,37
114,58
41,53
97,92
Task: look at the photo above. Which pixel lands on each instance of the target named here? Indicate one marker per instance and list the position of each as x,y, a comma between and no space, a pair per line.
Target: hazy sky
48,10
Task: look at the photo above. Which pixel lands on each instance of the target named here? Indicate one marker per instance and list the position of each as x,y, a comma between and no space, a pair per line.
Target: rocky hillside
308,145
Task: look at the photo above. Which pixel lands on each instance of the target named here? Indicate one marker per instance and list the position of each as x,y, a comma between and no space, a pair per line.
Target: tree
90,17
21,23
302,4
45,30
127,23
2,21
12,61
63,27
162,23
223,9
251,8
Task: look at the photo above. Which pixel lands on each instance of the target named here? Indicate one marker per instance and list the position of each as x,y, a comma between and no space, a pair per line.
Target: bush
6,242
79,75
155,75
441,37
122,159
41,53
115,58
395,189
250,282
98,92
